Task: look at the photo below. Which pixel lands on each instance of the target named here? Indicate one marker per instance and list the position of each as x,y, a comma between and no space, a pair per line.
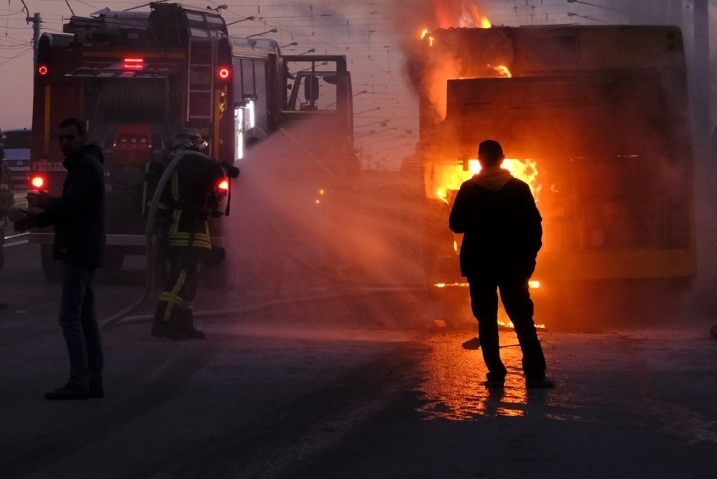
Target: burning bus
595,119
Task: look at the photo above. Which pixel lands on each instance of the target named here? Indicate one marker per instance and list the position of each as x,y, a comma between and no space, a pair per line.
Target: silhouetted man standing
502,236
79,220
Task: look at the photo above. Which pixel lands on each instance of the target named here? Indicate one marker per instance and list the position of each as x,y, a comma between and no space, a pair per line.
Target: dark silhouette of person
502,236
79,243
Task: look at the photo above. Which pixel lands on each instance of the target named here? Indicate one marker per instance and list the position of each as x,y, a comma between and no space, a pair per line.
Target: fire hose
151,250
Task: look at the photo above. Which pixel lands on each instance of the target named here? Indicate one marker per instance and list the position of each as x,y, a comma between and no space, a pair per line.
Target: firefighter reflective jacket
188,198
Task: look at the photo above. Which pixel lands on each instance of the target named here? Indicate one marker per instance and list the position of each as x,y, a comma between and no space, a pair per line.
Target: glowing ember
502,70
531,284
508,324
424,34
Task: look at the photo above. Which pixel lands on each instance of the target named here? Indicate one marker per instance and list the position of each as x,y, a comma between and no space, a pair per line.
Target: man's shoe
185,324
472,344
494,384
194,334
545,383
97,391
165,329
69,391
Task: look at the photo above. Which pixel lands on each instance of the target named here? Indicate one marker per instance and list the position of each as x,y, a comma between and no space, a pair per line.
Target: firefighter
188,199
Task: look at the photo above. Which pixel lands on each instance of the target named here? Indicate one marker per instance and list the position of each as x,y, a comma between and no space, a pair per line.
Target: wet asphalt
345,384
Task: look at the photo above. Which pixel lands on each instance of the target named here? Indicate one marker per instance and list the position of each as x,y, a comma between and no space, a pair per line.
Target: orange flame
502,70
450,177
424,33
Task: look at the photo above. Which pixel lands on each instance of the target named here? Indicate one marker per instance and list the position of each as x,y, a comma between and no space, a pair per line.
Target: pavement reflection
452,383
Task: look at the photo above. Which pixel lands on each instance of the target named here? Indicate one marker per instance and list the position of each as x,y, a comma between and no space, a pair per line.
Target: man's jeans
79,325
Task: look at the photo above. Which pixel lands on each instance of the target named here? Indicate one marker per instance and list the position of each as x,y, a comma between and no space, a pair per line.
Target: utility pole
36,21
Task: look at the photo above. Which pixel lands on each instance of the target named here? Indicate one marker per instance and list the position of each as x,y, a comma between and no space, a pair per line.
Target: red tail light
223,186
42,70
224,73
37,182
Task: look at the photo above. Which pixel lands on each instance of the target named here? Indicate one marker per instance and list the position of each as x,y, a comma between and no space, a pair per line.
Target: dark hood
91,149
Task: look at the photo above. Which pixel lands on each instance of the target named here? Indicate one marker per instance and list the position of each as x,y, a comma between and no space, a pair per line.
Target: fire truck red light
223,186
133,64
224,73
42,70
37,182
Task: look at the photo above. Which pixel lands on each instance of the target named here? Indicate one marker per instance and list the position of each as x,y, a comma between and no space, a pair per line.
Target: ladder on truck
201,64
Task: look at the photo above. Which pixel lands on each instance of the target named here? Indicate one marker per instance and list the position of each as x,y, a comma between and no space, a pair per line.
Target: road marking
16,240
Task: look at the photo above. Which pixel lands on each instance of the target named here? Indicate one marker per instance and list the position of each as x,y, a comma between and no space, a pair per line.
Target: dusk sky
369,33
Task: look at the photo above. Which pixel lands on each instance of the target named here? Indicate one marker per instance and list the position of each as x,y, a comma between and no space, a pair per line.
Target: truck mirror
311,89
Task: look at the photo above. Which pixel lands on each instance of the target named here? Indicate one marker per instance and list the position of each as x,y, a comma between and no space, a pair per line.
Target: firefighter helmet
188,138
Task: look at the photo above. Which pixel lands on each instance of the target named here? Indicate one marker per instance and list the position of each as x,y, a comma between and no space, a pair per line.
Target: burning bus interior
596,187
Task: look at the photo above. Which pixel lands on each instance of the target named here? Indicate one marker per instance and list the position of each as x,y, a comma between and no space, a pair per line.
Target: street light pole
273,30
701,78
242,20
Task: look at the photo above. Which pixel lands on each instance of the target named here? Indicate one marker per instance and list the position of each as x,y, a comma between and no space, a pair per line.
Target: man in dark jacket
502,235
79,220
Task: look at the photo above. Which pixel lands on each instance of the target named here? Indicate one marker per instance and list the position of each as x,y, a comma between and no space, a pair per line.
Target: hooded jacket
501,224
79,214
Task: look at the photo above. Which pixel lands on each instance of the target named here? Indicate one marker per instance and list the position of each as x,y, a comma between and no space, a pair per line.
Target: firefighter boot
167,329
185,324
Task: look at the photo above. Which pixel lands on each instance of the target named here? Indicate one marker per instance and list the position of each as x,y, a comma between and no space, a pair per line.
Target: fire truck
595,119
136,77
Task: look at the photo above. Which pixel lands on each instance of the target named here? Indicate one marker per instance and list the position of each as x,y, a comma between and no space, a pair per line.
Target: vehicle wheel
51,269
160,273
114,257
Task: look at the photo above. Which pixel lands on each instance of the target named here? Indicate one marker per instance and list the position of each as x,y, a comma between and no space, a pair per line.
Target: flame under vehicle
138,76
595,119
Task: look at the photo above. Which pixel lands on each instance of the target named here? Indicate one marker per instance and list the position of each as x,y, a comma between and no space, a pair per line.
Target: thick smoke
411,17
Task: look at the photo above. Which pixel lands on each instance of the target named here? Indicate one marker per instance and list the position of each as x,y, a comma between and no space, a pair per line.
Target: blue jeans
79,325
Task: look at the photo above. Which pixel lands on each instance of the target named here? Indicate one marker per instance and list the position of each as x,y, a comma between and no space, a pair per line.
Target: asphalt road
343,383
